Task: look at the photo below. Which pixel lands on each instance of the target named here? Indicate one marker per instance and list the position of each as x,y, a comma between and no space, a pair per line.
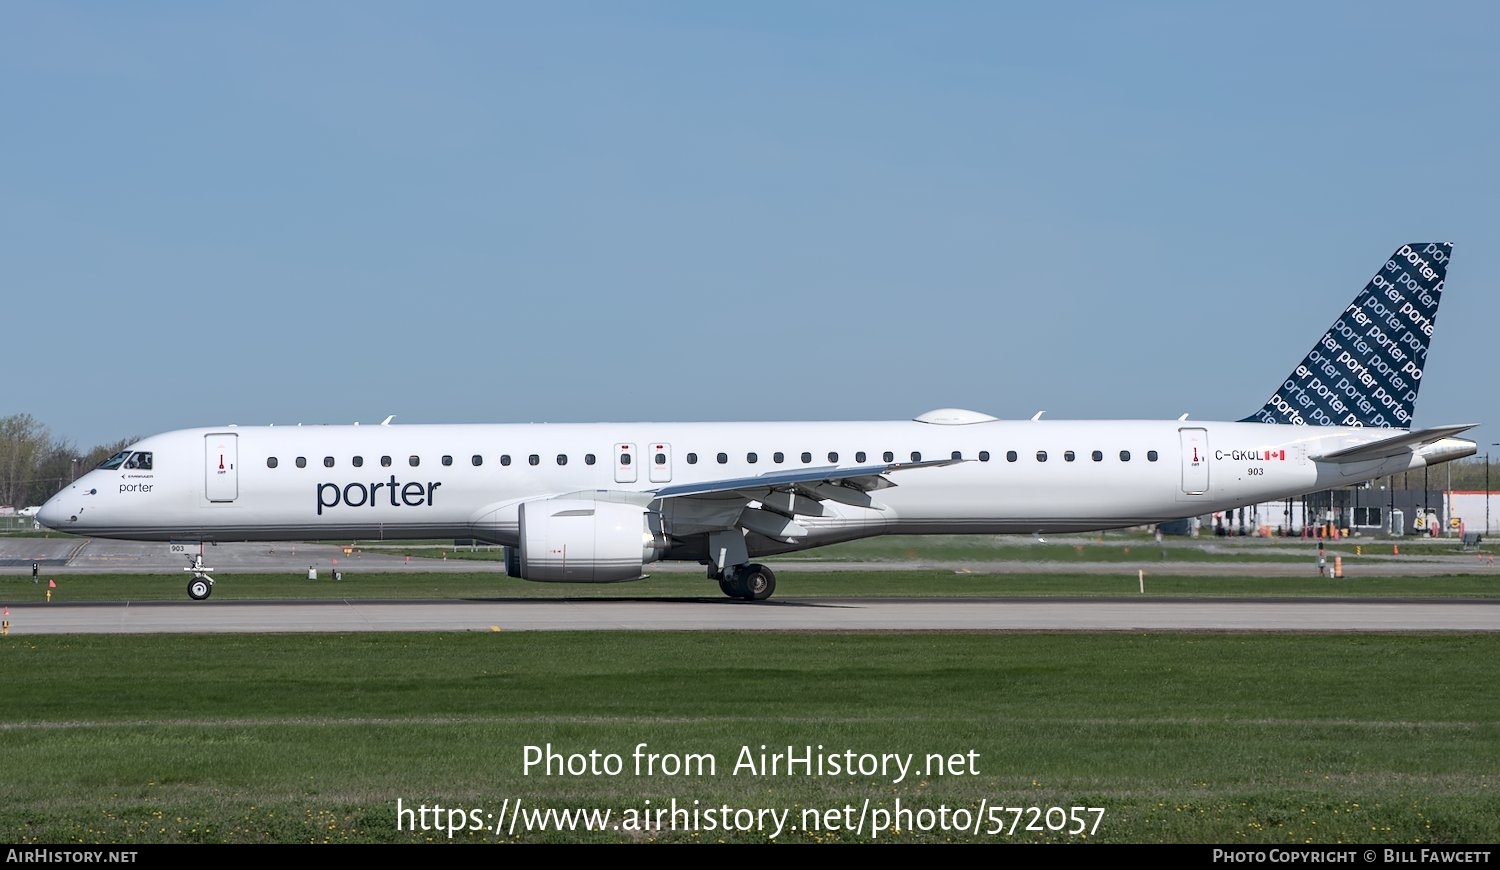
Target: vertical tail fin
1367,368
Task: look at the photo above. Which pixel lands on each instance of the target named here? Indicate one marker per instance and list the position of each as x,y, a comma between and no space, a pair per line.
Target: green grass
791,583
1115,546
1123,546
1179,737
1205,738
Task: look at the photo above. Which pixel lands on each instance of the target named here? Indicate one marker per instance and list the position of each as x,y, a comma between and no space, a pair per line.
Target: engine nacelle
567,540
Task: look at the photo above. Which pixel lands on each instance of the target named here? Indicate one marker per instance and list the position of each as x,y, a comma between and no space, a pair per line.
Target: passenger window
806,458
328,462
476,460
661,459
778,457
723,458
692,459
447,460
1097,455
534,459
562,459
984,456
958,454
751,458
589,459
833,456
301,461
357,461
1041,456
624,459
1010,456
1150,455
916,456
385,462
860,457
505,459
1069,456
1124,455
271,462
413,461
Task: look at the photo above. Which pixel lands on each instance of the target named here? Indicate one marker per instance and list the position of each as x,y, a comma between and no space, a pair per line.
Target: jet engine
569,540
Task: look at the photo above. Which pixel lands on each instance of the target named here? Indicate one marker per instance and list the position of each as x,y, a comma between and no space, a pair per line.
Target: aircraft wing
864,478
782,496
1394,445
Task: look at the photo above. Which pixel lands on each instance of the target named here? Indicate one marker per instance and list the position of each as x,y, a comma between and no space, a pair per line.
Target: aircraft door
625,463
1194,461
661,463
221,481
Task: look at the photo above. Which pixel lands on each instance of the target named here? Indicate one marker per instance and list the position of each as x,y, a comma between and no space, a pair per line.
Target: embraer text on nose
332,495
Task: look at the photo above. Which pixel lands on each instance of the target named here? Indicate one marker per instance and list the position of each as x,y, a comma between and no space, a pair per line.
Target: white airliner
598,502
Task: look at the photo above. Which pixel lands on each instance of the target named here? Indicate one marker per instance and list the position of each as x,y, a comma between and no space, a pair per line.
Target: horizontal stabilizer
1394,445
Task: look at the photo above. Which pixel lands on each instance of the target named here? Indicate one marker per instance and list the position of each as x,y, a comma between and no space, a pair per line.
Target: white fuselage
468,481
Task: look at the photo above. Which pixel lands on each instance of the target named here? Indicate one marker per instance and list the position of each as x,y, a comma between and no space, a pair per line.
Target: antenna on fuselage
1038,415
387,420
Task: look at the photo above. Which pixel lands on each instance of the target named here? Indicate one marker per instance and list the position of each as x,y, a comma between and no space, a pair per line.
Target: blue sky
513,212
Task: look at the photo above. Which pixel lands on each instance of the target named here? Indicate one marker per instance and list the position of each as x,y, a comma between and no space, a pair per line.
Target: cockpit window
139,459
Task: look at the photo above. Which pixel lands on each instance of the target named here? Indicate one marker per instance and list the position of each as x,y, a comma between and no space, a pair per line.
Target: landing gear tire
200,588
757,581
731,584
747,582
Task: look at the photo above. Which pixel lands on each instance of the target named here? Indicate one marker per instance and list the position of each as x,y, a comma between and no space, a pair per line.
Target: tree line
34,464
1461,475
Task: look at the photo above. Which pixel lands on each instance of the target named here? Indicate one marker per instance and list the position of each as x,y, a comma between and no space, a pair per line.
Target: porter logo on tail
1365,371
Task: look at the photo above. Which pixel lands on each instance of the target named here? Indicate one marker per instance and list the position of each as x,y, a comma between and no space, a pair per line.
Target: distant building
1360,511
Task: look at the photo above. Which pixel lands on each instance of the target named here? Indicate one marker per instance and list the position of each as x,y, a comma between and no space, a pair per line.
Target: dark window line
752,458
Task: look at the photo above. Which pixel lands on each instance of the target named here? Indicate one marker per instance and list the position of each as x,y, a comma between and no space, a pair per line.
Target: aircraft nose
54,515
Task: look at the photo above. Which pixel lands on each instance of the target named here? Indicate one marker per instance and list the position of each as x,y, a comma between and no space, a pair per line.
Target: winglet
1366,368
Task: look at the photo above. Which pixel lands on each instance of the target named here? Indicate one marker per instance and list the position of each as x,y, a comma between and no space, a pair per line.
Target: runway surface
65,555
71,555
213,617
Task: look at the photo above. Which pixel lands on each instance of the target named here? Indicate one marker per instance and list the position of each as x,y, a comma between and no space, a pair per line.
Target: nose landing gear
202,585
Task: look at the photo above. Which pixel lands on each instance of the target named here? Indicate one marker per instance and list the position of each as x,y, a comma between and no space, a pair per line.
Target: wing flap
774,526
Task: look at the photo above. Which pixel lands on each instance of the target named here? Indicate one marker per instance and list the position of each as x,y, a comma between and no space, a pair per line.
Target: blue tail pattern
1366,369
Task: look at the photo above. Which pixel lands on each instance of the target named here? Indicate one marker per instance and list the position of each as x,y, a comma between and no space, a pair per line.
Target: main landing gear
752,582
202,585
